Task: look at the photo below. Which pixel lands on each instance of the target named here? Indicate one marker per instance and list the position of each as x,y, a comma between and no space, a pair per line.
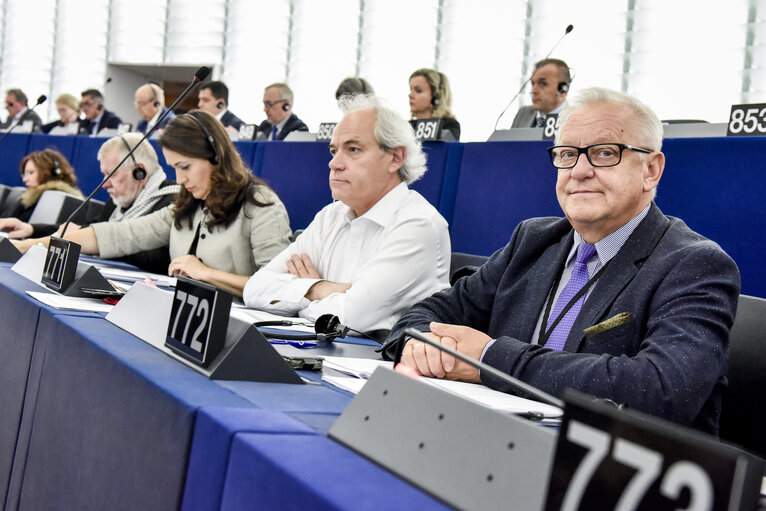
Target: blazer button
202,236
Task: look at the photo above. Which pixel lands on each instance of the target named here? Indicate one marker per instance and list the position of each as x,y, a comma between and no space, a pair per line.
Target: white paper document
135,276
70,302
357,370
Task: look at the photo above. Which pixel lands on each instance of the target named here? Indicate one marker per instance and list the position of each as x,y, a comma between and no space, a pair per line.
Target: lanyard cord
544,334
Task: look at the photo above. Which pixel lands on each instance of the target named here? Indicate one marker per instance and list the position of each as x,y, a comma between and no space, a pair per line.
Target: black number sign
60,264
747,120
610,459
427,129
198,320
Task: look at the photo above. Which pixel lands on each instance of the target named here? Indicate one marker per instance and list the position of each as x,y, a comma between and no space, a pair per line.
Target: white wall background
686,58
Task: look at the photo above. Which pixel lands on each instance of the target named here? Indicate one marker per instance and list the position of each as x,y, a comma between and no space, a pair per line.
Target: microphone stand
200,75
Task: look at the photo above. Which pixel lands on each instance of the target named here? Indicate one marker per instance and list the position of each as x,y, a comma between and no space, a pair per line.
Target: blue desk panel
501,184
62,144
299,173
13,150
112,421
718,187
299,472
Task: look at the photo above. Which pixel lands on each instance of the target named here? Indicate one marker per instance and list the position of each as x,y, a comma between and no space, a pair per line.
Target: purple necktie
576,282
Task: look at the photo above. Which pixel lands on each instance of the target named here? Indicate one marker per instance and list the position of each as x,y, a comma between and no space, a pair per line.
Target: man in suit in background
150,104
278,104
16,103
214,99
550,85
97,117
616,300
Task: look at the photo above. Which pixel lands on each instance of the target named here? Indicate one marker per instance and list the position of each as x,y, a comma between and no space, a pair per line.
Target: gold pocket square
614,321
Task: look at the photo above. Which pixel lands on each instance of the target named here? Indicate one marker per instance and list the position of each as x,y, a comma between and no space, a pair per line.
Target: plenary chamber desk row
91,417
485,189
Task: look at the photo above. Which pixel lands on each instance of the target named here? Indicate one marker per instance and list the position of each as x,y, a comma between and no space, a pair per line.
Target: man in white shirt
379,248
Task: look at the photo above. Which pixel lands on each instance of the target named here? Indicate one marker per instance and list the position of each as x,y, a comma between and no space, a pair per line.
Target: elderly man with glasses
616,300
278,105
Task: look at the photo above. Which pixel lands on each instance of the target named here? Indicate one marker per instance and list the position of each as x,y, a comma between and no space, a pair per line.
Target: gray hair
144,154
647,125
285,92
391,130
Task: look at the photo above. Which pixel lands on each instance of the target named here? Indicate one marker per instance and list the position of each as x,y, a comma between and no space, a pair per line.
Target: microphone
516,384
200,75
40,101
566,31
327,327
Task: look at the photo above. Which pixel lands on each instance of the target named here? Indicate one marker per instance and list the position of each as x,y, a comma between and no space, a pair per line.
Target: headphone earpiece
285,106
156,104
138,172
215,159
56,166
327,328
221,104
563,87
437,94
100,107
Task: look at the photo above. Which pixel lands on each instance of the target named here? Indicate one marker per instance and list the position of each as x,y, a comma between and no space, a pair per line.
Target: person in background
150,105
97,117
353,85
431,98
550,86
224,224
278,105
41,171
16,103
69,113
214,99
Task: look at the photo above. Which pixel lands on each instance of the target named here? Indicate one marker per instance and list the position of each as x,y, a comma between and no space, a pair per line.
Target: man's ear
654,167
398,156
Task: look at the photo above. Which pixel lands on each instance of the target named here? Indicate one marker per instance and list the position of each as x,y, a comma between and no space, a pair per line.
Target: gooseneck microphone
566,31
40,101
200,75
516,384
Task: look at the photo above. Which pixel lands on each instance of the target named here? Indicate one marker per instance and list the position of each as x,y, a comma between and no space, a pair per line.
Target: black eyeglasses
599,155
271,104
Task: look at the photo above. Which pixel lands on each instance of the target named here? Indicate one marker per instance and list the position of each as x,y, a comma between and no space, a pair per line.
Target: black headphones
327,327
215,159
56,166
100,107
139,173
563,87
221,104
437,94
286,106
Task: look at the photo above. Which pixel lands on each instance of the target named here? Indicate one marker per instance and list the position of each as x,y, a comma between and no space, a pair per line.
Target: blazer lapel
541,280
622,268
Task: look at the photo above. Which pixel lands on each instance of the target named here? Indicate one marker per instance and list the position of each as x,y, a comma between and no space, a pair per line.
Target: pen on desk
297,344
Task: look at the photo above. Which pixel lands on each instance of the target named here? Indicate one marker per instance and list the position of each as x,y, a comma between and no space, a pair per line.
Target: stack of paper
356,371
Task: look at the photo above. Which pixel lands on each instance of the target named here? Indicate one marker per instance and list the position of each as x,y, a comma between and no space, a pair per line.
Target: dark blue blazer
293,124
669,360
229,119
109,120
141,128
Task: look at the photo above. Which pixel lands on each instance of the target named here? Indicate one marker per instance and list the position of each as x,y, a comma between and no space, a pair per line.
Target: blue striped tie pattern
576,282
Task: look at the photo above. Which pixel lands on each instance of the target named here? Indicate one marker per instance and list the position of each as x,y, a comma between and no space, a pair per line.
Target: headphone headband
215,159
